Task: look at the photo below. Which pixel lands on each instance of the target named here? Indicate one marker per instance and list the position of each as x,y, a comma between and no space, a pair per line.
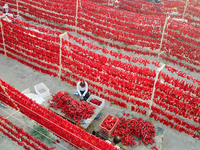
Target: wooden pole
59,74
163,36
185,8
2,15
76,17
67,37
167,35
4,46
17,8
12,114
154,87
8,95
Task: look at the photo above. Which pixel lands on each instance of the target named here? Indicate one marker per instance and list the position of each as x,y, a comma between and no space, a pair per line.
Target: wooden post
76,17
154,87
167,35
163,36
67,37
4,46
59,74
17,8
185,8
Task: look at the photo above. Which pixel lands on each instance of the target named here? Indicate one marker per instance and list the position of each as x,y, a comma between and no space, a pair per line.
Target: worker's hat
5,6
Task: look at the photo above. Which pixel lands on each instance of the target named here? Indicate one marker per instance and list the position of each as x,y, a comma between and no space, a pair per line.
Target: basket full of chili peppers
108,125
96,101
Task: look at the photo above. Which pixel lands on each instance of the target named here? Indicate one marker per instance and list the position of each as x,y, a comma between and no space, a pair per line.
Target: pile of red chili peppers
96,102
126,129
71,107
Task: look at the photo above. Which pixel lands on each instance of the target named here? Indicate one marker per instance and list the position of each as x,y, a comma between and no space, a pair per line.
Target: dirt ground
22,77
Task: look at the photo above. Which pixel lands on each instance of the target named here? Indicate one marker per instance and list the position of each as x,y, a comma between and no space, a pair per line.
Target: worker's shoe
76,93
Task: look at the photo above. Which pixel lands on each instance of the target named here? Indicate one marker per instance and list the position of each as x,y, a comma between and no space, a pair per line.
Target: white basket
42,90
35,97
96,97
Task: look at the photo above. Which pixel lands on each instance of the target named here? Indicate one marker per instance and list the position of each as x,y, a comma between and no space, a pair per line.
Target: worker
82,90
158,1
3,105
116,140
6,9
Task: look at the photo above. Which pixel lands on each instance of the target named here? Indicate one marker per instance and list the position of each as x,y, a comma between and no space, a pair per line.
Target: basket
105,131
98,98
42,90
35,97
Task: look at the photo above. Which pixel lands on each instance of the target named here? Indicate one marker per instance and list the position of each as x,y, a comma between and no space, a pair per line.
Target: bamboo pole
76,17
185,8
4,46
154,87
167,18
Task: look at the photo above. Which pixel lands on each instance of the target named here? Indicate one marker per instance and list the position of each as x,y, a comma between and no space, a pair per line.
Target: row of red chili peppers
20,136
125,48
